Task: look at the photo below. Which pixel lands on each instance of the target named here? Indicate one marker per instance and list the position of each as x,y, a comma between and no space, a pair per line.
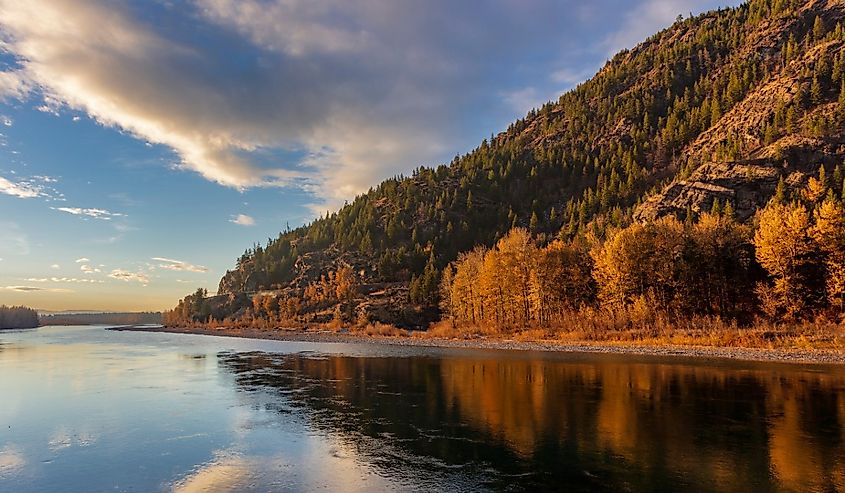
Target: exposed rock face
747,185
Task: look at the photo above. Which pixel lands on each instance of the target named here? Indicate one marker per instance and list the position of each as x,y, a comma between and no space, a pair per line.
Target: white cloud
243,220
179,265
95,213
127,276
87,269
82,260
6,120
644,19
14,84
21,189
55,266
523,100
336,94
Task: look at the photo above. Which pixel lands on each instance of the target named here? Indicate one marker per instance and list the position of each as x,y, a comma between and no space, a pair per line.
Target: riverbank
817,356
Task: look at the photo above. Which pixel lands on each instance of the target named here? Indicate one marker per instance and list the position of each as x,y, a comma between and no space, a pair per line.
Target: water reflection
598,425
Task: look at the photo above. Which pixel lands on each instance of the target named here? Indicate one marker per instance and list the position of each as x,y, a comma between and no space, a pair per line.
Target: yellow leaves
516,283
816,189
345,283
829,234
781,238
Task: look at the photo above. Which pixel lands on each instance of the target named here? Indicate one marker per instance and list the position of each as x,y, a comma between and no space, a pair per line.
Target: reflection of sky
82,413
82,409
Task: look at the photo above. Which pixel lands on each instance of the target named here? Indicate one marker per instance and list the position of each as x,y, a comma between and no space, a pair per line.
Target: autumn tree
829,234
785,249
562,279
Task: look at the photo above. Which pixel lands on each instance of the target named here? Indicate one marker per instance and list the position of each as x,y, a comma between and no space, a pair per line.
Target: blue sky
144,145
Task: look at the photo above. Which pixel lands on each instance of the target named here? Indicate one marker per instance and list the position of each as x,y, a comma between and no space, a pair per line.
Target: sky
144,145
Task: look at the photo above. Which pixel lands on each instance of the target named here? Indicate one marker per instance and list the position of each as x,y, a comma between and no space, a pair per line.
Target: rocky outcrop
749,184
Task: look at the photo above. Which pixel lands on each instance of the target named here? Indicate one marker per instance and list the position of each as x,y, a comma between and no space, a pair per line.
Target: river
89,410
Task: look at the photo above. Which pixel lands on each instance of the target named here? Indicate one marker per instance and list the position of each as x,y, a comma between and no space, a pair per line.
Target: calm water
83,409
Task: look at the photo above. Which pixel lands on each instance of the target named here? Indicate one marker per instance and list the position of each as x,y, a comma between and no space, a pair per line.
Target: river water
89,410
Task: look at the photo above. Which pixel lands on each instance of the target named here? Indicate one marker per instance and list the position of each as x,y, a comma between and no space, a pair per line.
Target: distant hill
94,318
724,107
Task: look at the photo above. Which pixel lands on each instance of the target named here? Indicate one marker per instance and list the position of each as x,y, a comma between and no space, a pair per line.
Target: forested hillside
720,111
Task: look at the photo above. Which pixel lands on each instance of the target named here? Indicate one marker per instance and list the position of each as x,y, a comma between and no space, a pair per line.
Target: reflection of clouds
61,439
320,465
223,473
11,461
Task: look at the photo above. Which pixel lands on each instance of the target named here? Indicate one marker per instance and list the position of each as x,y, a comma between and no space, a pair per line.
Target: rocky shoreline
733,353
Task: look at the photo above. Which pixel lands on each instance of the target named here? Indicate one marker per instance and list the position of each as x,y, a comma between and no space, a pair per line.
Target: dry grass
637,328
381,330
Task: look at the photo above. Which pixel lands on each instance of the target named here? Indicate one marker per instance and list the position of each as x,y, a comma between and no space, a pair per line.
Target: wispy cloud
55,266
348,92
94,213
179,265
28,289
243,220
127,276
21,189
82,260
73,280
31,187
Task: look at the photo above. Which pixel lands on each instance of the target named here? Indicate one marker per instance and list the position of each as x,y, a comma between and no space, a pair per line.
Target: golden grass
630,328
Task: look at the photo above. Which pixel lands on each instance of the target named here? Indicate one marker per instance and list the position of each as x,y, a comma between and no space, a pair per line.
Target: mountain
729,106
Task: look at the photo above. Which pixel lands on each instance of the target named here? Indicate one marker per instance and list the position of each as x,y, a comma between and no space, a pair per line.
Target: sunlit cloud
64,280
95,213
81,260
21,190
243,220
55,266
127,276
179,265
87,269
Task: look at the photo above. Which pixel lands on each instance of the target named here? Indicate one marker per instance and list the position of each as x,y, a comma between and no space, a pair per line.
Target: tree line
18,317
788,264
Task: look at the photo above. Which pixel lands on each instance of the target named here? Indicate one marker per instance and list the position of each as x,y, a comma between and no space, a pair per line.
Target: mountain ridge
722,106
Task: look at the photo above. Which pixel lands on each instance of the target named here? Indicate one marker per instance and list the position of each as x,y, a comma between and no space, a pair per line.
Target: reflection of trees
598,425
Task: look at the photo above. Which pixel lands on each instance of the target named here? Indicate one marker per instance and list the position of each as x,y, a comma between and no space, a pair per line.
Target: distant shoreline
704,352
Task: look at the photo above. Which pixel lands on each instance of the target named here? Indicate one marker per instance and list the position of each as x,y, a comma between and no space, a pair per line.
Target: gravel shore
743,354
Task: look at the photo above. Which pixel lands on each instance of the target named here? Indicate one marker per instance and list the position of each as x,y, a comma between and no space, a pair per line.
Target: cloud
5,120
28,289
14,84
179,265
87,269
82,260
644,19
95,213
243,220
328,96
523,100
21,189
55,266
67,280
127,276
